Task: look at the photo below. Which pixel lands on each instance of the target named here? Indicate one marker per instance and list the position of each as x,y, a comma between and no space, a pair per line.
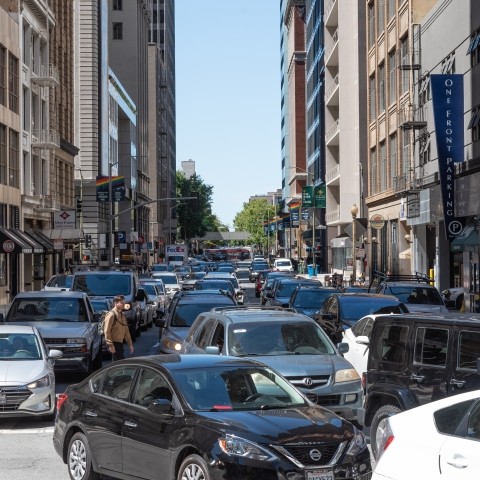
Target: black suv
414,291
416,359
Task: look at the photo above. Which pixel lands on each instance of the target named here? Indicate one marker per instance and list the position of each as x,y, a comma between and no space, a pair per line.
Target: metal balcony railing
46,75
45,138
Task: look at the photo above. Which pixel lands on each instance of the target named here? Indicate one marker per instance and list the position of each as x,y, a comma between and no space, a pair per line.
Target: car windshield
150,289
16,347
214,285
186,313
419,295
286,289
278,338
47,309
102,284
310,298
259,266
159,284
283,263
167,279
355,307
230,387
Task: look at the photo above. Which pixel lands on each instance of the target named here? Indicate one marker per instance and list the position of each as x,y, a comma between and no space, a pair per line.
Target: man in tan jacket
116,329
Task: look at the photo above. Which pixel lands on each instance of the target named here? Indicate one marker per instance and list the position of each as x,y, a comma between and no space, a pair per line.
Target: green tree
194,217
253,218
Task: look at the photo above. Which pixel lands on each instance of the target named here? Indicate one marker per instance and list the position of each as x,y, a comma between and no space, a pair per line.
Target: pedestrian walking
116,329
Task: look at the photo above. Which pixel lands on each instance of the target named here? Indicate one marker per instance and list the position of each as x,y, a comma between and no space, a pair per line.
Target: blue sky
228,97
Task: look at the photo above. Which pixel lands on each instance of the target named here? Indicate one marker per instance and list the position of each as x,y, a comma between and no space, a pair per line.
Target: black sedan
201,417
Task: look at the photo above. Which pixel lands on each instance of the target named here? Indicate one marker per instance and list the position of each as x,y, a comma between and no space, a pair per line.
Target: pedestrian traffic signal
88,241
79,205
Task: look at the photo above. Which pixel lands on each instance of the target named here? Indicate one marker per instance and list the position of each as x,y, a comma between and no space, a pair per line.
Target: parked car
414,291
415,359
308,299
289,342
66,322
58,283
27,380
201,417
447,436
342,310
181,313
108,283
453,297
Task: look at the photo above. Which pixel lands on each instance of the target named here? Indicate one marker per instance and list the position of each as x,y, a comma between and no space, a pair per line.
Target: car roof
447,319
10,328
357,295
202,296
241,314
51,294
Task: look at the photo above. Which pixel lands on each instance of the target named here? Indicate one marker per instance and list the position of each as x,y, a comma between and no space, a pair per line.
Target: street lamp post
354,212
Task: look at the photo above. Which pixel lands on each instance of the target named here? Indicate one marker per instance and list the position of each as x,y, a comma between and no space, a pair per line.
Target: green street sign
307,196
321,196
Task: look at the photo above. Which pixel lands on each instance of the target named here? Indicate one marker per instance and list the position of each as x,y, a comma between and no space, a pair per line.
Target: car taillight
61,400
388,441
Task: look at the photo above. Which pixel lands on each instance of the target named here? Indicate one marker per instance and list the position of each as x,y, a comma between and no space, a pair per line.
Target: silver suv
289,342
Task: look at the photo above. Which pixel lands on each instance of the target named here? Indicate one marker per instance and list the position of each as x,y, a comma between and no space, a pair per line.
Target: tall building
293,123
345,132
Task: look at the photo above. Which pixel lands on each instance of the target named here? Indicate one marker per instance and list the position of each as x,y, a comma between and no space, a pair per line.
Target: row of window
9,84
381,13
9,157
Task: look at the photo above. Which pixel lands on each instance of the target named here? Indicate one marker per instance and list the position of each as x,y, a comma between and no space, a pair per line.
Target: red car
259,281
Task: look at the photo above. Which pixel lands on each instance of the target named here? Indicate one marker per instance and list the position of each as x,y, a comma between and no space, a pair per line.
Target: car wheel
459,301
79,459
193,467
378,425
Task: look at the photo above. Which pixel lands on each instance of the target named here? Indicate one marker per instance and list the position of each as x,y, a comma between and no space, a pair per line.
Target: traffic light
88,241
79,205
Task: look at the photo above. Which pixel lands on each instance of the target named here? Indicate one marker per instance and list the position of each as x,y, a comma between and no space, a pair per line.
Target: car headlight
173,345
346,375
127,306
358,443
232,445
41,382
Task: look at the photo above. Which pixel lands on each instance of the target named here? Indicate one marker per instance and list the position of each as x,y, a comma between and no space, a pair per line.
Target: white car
453,297
59,283
437,441
170,280
27,381
358,339
283,265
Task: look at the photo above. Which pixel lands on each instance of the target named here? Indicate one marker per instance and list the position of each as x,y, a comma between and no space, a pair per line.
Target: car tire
194,466
79,459
378,424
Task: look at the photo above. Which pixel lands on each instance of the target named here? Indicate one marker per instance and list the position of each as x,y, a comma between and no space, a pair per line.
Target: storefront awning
11,243
467,241
64,234
36,247
42,240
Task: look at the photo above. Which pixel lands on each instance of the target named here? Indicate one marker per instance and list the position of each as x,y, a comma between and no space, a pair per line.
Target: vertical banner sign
321,196
294,215
307,196
447,96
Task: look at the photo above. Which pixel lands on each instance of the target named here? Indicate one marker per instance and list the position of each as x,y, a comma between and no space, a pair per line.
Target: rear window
103,285
391,344
421,295
447,419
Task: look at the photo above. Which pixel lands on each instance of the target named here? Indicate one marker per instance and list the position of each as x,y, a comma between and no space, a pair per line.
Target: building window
474,124
117,5
392,76
372,98
118,31
405,61
373,171
406,152
474,49
13,83
3,75
3,154
13,161
371,24
391,9
381,88
381,16
383,167
393,158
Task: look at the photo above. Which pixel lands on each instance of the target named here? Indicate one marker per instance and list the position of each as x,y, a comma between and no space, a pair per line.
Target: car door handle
458,461
130,423
90,413
457,383
417,378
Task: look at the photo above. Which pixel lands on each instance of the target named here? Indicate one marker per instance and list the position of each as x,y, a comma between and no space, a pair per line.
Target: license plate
322,474
3,399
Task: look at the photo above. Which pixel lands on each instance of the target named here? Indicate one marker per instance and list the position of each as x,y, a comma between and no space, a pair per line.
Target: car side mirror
343,347
53,354
161,406
329,317
212,350
363,340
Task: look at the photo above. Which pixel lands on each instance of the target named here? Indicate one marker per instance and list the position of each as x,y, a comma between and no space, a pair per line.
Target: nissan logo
315,455
307,382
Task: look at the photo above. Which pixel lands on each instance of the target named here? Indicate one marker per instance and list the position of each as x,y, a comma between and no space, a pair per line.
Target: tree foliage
194,217
252,219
